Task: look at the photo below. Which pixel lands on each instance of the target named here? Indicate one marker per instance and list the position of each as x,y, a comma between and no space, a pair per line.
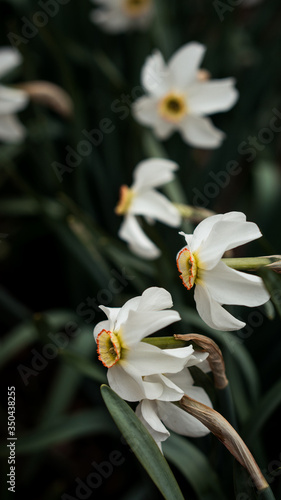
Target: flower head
117,16
142,199
199,263
11,100
155,413
128,359
179,99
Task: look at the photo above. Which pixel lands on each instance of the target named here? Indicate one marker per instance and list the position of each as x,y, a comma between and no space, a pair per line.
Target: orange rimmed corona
187,266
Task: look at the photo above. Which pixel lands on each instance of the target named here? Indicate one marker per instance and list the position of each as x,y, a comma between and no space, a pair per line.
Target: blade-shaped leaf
142,444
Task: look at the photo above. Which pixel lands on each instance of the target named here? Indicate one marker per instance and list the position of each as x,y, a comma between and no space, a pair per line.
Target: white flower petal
200,359
149,360
205,227
111,21
199,394
179,421
11,130
130,305
212,96
146,411
127,382
155,298
153,173
12,100
10,58
152,299
111,313
182,379
229,286
156,205
181,352
102,325
225,235
145,111
155,75
171,392
140,325
139,243
200,132
213,313
163,129
185,62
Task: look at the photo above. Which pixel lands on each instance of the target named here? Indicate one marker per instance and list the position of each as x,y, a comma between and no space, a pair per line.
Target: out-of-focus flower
11,100
128,359
216,284
117,16
154,414
142,199
179,99
16,98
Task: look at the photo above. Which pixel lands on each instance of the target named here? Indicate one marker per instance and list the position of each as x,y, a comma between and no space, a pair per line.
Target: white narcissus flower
117,16
178,99
142,199
154,414
128,359
11,100
215,283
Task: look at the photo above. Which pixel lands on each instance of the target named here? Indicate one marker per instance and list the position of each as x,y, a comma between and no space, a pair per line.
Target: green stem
266,494
251,263
194,214
166,342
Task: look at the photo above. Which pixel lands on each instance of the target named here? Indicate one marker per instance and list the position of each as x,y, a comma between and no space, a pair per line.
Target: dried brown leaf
215,356
222,429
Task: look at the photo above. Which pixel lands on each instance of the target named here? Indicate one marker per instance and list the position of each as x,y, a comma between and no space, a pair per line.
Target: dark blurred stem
227,405
266,494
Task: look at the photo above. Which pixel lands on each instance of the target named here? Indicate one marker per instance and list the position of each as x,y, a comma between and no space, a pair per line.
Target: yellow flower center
173,107
109,348
126,197
135,8
187,266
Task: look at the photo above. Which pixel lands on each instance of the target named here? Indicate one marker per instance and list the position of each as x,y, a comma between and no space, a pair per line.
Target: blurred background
60,255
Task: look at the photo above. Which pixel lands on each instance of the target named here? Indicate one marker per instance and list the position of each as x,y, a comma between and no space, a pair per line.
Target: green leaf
16,340
68,379
195,467
142,444
65,428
